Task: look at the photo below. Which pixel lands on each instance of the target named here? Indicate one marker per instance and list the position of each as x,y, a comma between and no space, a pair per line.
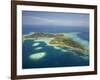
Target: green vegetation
67,42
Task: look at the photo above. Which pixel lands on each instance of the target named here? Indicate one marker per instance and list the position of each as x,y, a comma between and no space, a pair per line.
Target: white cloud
30,20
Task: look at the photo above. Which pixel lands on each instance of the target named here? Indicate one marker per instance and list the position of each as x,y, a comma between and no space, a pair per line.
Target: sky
41,18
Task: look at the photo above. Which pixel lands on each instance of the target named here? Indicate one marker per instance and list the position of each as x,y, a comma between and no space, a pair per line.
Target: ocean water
53,57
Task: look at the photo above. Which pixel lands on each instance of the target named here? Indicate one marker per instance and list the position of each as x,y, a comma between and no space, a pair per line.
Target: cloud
31,20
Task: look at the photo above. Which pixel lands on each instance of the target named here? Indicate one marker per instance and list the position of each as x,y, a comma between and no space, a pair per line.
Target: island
58,41
37,56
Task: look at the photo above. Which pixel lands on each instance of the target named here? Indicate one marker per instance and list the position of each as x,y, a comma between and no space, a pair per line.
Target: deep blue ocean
53,58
